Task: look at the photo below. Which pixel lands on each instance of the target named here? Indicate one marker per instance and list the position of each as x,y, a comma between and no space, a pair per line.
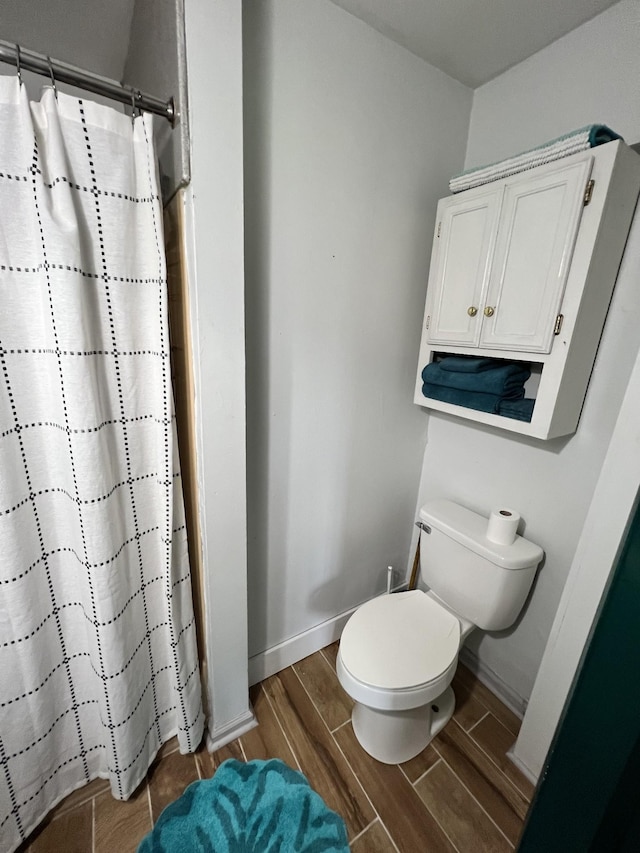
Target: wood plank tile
321,683
373,840
205,763
331,653
410,824
491,702
169,778
469,710
267,740
82,795
464,822
230,750
496,740
167,748
71,832
320,759
208,762
121,825
497,796
415,768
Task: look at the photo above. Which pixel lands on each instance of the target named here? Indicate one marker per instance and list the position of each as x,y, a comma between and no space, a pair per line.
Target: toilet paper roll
502,527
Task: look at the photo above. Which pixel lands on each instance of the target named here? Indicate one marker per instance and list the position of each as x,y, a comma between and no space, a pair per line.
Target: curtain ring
18,70
135,93
53,79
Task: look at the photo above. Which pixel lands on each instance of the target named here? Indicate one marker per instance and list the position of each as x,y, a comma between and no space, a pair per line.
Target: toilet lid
400,641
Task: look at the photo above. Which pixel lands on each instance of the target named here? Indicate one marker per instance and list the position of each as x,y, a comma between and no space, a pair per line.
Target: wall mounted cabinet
523,269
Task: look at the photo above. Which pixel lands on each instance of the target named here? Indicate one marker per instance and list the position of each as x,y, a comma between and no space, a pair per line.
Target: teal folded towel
469,399
254,806
600,134
521,410
468,364
505,379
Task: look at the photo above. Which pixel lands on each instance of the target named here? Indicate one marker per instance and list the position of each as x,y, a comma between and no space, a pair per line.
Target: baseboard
496,685
241,725
279,657
296,648
522,767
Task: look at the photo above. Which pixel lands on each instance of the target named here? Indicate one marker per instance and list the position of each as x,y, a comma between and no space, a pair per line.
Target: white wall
591,75
216,275
605,528
349,143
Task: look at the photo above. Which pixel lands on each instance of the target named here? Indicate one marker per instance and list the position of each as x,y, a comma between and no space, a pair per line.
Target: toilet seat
405,643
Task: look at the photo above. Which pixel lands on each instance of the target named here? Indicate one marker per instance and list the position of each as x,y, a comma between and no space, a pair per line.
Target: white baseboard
279,657
493,681
296,648
531,776
220,737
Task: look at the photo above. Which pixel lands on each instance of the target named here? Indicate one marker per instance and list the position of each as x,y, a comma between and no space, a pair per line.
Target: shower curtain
98,662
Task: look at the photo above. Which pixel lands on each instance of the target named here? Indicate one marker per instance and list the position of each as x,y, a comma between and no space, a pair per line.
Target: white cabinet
523,269
465,240
537,232
501,258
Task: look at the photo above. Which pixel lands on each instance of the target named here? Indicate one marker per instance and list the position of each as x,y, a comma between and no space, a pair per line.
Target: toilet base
393,737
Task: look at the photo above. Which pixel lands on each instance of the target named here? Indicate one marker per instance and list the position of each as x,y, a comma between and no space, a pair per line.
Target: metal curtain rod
63,73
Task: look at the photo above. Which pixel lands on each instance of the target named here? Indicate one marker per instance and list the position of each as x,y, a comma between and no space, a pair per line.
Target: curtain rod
63,73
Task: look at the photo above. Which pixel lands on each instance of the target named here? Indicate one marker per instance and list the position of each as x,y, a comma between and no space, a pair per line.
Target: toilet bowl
402,698
398,653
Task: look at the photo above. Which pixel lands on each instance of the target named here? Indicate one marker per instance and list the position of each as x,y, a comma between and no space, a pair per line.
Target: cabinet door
537,232
460,267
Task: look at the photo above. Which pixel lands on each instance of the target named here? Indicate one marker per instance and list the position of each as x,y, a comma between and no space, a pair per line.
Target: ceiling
470,40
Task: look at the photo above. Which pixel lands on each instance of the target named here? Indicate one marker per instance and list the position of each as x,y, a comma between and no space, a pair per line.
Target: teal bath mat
257,807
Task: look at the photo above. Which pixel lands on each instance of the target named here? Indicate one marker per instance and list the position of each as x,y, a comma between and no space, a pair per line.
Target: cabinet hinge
428,320
439,227
558,325
588,191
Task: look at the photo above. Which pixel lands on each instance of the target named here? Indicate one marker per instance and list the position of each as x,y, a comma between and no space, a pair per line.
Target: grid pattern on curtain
98,661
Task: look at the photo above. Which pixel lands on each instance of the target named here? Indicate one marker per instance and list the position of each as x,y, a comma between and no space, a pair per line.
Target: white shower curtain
98,661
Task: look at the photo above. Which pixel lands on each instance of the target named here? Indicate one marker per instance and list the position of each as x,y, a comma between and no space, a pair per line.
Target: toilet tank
485,582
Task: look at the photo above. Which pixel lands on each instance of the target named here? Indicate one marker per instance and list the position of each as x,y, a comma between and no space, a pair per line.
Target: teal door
588,797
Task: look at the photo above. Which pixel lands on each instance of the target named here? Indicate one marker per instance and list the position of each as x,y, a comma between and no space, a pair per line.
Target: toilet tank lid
469,529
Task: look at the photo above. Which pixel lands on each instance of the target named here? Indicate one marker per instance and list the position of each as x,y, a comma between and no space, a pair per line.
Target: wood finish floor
461,794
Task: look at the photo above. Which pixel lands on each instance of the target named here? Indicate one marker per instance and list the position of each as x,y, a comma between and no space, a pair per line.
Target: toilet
398,653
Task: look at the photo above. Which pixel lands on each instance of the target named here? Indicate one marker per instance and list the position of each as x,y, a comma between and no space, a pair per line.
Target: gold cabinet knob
472,311
489,311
